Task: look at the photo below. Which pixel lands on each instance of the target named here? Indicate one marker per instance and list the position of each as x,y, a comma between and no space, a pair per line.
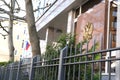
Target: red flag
27,45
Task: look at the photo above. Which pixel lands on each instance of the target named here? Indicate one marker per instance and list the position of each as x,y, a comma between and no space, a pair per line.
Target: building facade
64,16
20,36
87,19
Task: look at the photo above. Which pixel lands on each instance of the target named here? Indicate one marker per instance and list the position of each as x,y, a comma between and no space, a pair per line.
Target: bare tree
10,13
29,18
10,29
34,40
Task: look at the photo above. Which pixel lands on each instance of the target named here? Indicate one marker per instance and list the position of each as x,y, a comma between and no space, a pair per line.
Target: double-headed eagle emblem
87,31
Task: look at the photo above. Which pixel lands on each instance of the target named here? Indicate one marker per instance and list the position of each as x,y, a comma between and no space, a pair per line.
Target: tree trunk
10,35
10,41
33,37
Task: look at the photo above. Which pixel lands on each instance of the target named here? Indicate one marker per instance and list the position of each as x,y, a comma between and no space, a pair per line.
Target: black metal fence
73,63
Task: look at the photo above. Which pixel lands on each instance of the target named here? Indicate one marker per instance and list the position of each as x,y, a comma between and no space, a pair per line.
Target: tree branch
3,28
3,35
3,18
47,5
6,3
21,18
17,3
9,13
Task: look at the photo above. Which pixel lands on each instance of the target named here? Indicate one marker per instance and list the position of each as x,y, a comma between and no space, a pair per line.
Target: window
77,11
113,26
89,5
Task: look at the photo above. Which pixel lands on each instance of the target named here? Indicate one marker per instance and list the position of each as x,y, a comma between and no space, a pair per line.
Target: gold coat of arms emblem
88,31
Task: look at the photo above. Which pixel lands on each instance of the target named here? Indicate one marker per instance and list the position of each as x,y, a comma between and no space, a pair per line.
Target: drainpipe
118,41
108,27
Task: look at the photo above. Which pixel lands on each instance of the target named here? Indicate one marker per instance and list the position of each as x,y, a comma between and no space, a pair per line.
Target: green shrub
53,51
4,63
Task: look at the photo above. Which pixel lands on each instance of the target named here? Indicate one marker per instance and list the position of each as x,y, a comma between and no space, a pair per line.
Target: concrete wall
4,56
53,35
20,36
106,77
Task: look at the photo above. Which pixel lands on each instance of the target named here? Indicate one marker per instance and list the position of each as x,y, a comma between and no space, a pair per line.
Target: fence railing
73,63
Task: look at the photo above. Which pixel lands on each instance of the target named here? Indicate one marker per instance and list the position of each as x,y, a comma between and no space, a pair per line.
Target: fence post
5,73
0,73
18,71
11,71
61,61
32,70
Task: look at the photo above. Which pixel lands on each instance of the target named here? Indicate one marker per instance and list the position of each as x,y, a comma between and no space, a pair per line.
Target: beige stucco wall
4,51
4,56
18,37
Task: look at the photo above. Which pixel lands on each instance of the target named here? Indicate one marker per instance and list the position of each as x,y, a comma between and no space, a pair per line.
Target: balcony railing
43,7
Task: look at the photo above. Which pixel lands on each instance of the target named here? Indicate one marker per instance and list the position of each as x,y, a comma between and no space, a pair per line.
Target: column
118,41
70,23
